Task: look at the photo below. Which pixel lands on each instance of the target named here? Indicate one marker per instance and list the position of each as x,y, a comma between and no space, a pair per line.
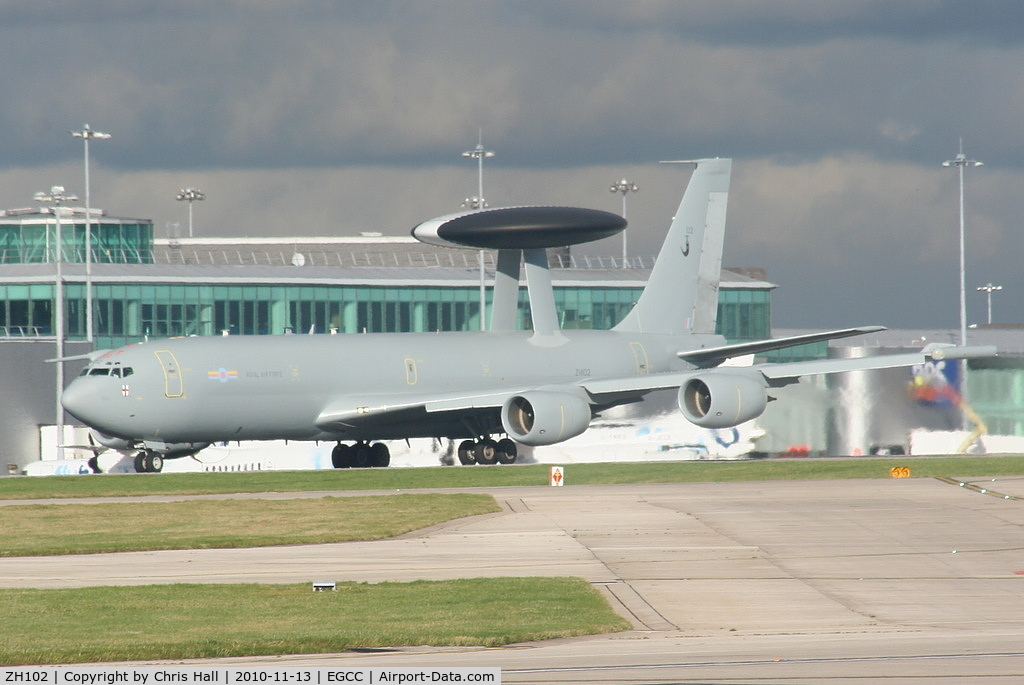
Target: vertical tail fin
682,292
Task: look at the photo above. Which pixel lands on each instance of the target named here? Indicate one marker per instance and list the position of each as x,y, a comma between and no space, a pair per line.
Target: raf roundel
520,228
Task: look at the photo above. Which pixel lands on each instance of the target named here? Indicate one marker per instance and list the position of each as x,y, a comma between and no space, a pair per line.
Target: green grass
194,621
203,621
200,524
518,475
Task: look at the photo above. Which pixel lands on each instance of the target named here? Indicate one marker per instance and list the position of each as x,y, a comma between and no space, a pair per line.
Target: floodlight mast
56,197
479,153
961,161
988,289
87,134
625,187
190,195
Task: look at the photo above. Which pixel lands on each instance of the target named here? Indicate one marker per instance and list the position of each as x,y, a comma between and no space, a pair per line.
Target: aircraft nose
77,400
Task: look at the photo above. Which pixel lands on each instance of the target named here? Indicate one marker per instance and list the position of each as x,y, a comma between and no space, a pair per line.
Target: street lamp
479,154
625,187
989,289
87,134
56,197
190,195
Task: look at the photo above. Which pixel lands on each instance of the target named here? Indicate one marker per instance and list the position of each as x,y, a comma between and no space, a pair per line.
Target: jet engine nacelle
175,450
722,400
543,417
111,442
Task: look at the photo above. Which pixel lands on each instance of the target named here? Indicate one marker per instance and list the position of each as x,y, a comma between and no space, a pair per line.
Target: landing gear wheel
380,455
466,452
361,455
486,452
341,456
507,451
148,462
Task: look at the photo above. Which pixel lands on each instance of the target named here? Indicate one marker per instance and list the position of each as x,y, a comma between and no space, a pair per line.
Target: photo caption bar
240,675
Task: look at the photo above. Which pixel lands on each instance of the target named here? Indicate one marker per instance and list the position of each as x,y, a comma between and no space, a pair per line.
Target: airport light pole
961,161
56,197
479,154
625,187
988,288
87,134
190,195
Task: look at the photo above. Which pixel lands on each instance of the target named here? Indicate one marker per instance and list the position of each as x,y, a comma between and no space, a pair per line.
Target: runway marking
639,609
978,489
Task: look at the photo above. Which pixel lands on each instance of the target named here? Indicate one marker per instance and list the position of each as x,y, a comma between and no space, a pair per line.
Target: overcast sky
330,117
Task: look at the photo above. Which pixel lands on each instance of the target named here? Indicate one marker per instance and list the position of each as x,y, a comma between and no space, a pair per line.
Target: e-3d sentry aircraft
171,398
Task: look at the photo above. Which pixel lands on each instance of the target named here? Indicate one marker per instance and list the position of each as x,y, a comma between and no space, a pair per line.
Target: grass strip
517,475
190,621
202,524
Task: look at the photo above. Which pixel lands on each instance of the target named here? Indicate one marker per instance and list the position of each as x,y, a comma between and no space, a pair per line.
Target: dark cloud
838,115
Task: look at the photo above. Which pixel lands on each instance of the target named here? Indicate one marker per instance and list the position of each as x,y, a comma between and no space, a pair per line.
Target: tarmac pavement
898,580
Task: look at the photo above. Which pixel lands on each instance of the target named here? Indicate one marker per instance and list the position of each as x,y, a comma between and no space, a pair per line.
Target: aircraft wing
351,412
787,372
366,411
782,373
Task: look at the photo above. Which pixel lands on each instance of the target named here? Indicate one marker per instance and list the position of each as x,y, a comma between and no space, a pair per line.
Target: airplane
172,398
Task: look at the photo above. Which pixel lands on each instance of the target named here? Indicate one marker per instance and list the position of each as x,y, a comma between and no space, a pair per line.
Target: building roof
444,275
69,213
366,259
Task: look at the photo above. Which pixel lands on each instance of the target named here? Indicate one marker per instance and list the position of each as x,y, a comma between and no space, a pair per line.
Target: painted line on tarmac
978,489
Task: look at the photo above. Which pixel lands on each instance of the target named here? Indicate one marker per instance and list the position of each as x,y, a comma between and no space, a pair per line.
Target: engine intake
543,417
722,400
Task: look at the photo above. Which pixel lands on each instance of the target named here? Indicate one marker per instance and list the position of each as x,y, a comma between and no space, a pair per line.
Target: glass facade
125,313
996,392
744,314
114,241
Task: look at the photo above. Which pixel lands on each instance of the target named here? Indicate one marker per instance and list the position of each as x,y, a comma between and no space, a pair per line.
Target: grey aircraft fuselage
210,389
170,398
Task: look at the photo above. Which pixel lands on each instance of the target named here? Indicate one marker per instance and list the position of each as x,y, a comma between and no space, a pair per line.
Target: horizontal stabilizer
939,352
713,356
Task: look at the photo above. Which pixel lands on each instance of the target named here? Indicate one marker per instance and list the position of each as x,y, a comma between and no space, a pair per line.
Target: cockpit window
115,371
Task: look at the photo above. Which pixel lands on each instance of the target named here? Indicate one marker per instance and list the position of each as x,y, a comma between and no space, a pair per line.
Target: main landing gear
487,452
360,455
148,462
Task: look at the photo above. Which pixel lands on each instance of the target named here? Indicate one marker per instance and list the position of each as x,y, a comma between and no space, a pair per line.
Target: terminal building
142,287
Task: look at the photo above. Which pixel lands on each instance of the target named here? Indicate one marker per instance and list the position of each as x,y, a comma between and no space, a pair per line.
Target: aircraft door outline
411,373
640,357
173,382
